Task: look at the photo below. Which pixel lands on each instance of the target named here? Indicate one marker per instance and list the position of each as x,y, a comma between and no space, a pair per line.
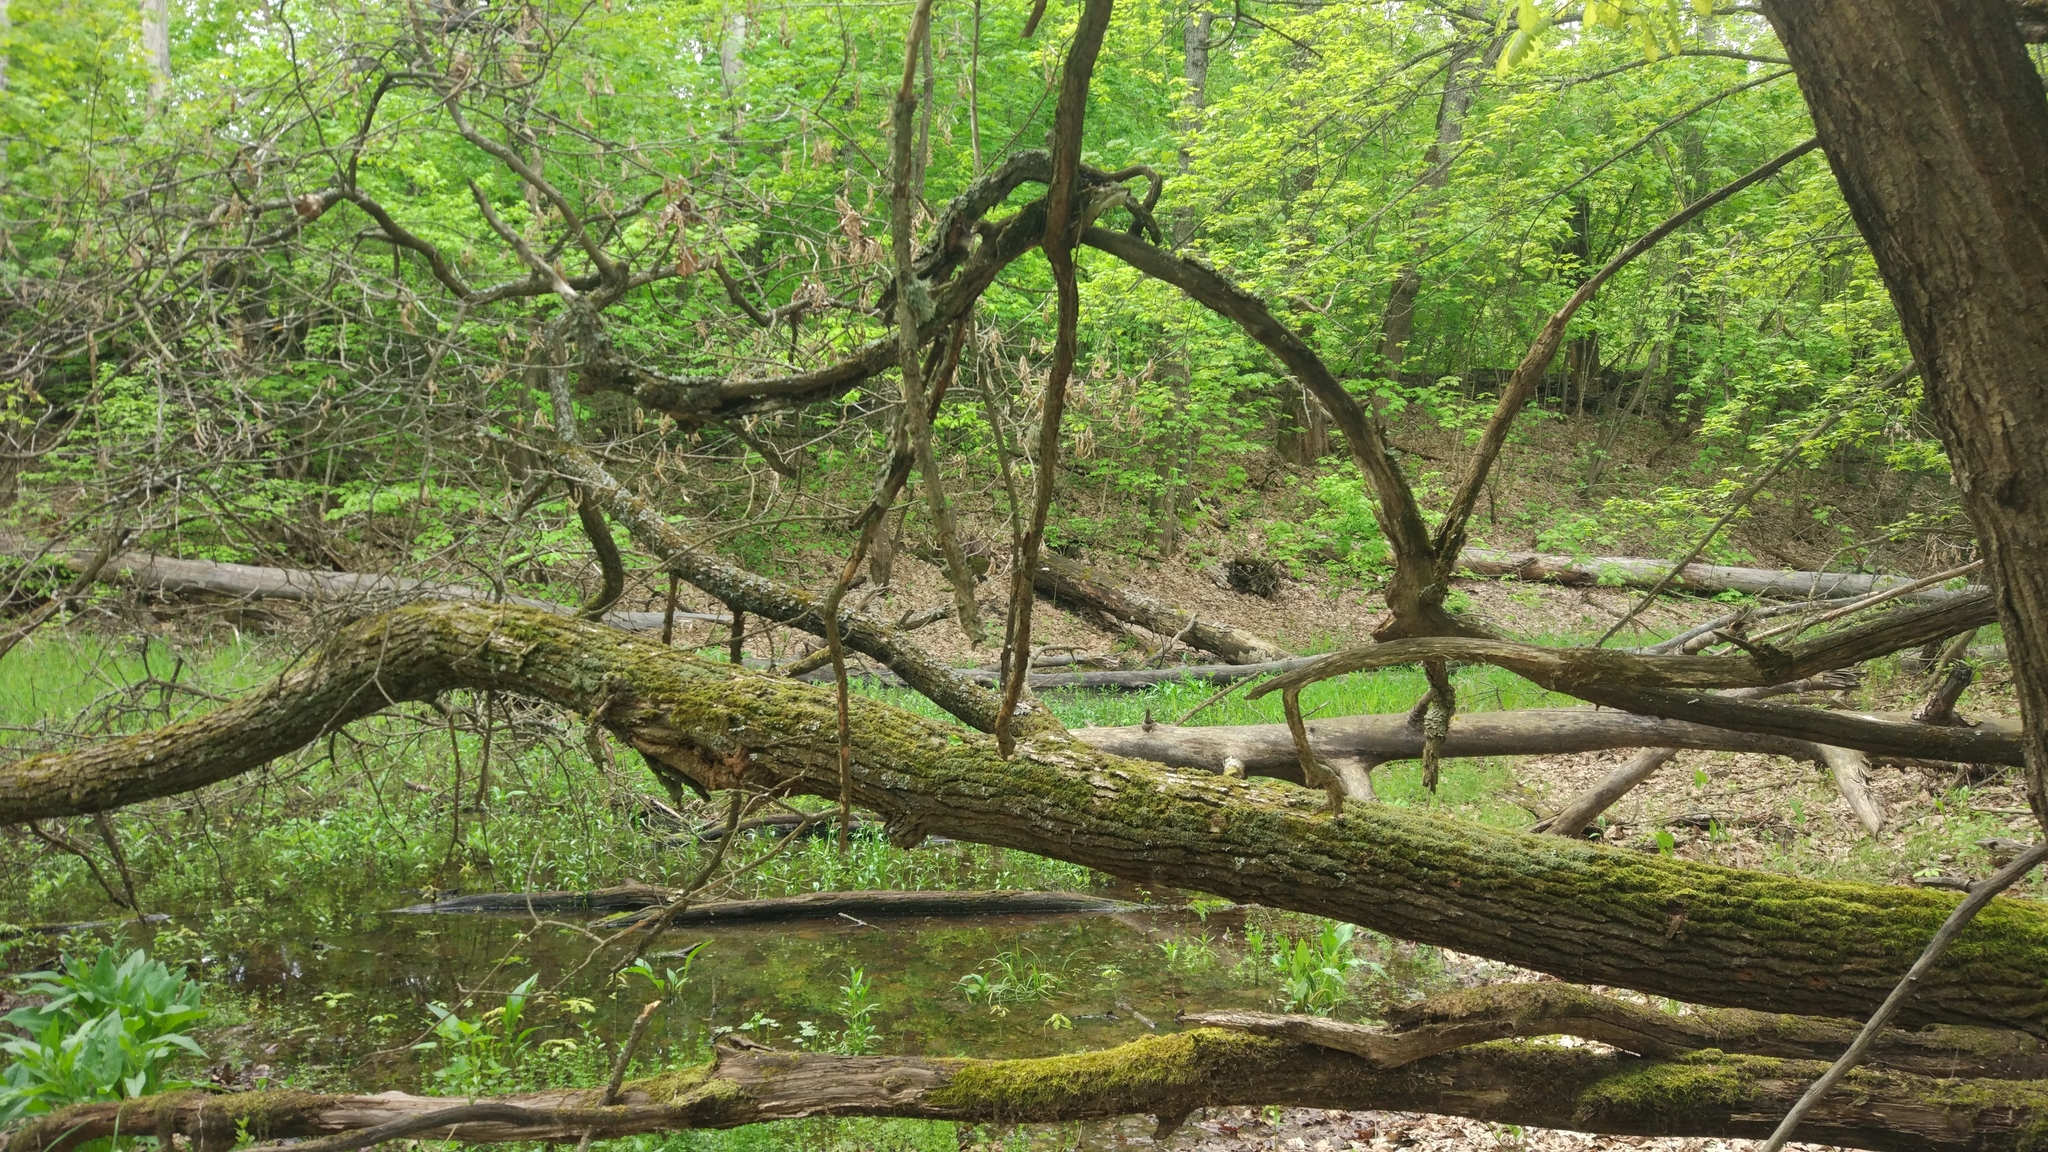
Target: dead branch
1637,572
1166,1076
1073,581
1070,116
1582,912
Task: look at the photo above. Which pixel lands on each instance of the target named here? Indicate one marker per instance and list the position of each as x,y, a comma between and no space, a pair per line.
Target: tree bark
1582,912
1168,1076
1636,572
1075,582
1936,124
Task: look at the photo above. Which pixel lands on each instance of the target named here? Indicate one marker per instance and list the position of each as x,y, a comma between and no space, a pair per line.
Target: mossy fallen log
1168,1076
1585,913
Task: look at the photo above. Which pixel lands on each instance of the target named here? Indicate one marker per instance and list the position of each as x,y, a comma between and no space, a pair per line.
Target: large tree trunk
1705,1094
1936,124
1582,912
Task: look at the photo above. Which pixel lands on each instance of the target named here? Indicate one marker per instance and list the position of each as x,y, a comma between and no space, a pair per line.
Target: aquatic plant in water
110,1030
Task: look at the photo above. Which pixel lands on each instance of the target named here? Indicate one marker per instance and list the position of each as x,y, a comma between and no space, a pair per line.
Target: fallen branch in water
808,906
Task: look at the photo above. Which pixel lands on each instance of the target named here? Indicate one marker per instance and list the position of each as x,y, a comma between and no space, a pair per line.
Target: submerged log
877,905
1708,1093
1072,581
1637,572
1582,912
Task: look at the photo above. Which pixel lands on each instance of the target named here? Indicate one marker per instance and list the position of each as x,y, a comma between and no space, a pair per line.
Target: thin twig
1872,601
618,1079
1741,501
1980,895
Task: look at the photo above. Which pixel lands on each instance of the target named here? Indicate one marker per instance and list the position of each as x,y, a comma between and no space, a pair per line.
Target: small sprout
1058,1021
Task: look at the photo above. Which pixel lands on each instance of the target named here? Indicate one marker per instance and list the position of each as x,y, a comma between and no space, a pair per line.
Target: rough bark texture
1074,582
1505,1011
1585,913
1707,1094
1936,124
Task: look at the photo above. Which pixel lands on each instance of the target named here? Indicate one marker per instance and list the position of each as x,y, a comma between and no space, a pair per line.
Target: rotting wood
1168,1075
1581,912
174,576
1650,684
1266,750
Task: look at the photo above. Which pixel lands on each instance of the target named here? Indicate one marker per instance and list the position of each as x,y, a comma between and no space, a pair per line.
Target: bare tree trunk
1935,121
1398,326
156,45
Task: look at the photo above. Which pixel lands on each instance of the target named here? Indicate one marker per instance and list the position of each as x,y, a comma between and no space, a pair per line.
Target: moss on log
1586,913
1703,1094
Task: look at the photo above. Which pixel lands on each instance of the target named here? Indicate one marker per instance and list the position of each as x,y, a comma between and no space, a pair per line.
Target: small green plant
1188,955
109,1031
1009,978
857,1007
483,1054
1314,974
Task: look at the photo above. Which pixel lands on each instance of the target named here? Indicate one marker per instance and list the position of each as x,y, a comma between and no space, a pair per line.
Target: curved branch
1585,913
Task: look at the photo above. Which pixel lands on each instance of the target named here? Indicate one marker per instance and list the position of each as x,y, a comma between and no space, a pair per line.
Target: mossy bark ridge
1705,1093
1585,913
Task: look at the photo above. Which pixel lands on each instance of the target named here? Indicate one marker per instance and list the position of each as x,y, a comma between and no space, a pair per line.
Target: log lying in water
1706,1093
1637,572
1073,582
809,906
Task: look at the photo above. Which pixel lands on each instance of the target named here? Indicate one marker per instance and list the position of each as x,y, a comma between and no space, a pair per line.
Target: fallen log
1268,750
1582,912
1526,1011
1104,680
173,576
1637,572
1649,684
1708,1093
1074,582
878,905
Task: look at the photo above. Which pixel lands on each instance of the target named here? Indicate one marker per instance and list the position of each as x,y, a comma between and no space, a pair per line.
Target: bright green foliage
1314,971
1010,978
483,1054
110,1030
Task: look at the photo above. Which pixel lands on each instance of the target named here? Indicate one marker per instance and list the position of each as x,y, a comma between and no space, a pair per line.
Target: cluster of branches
1838,950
